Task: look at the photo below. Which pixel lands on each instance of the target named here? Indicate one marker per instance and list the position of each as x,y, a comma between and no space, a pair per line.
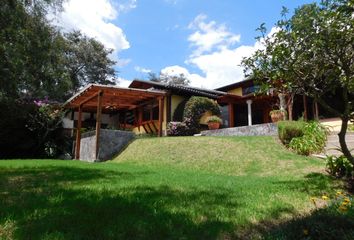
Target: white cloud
209,35
215,54
142,70
196,79
123,82
126,5
94,18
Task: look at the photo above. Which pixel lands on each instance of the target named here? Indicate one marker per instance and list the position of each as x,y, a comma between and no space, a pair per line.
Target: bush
177,129
31,131
313,139
195,108
339,166
213,119
287,130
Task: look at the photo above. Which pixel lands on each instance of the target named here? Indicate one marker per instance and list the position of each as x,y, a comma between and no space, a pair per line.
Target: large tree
88,61
38,61
312,53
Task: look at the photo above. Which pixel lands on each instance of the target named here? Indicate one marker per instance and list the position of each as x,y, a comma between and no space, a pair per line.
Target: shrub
339,166
177,129
214,119
31,130
287,130
313,139
195,108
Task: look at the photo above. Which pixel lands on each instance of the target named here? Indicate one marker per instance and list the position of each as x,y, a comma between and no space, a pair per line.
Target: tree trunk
290,106
282,103
342,142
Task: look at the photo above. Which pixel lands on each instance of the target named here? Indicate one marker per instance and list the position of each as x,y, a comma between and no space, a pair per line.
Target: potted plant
277,115
214,122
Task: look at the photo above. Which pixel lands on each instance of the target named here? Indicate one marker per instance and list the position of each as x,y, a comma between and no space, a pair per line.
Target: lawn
167,188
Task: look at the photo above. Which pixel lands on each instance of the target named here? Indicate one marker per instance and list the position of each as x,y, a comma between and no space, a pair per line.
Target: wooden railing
150,126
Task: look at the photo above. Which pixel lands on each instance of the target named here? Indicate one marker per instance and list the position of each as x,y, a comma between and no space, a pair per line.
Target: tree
88,61
179,79
38,61
312,53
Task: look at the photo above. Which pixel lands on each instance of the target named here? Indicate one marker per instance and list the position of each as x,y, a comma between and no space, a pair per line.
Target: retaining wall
267,129
111,143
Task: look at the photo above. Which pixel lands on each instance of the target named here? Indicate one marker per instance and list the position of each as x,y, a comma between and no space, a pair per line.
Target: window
249,90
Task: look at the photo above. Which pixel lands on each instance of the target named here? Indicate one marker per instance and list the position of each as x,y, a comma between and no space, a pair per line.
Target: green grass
165,188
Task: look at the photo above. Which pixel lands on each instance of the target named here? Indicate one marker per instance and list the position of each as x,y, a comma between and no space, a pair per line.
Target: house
147,107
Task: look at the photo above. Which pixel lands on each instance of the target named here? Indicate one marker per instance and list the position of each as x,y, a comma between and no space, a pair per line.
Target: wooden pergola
107,99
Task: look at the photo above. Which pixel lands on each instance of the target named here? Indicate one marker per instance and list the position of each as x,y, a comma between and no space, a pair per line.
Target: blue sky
203,39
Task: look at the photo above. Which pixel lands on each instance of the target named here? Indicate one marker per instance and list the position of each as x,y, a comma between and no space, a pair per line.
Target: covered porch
135,108
245,110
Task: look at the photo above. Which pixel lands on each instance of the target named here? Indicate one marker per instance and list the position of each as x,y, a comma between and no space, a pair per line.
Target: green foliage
313,139
178,129
194,110
88,61
287,130
339,166
214,119
38,61
47,127
311,53
29,131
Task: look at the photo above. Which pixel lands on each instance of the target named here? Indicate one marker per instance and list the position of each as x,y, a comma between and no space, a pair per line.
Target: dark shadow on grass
49,202
314,184
324,224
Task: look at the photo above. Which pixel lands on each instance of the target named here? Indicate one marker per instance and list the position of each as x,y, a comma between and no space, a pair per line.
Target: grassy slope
242,156
158,193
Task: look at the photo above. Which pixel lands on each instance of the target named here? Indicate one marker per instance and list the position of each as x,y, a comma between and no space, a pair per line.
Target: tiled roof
177,88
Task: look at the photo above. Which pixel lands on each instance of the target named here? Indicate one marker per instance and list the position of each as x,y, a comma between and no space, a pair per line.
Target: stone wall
112,142
267,129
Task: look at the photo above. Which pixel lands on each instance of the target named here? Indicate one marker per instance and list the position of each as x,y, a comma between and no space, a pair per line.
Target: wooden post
78,134
140,117
151,113
125,120
161,102
168,108
231,115
305,107
98,123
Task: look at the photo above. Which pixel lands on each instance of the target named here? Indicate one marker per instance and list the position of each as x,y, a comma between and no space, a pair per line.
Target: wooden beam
155,129
231,115
89,98
146,131
305,106
125,120
78,135
140,117
168,108
98,123
161,108
148,125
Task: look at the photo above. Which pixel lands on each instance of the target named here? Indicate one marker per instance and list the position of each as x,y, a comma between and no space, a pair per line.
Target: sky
203,39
